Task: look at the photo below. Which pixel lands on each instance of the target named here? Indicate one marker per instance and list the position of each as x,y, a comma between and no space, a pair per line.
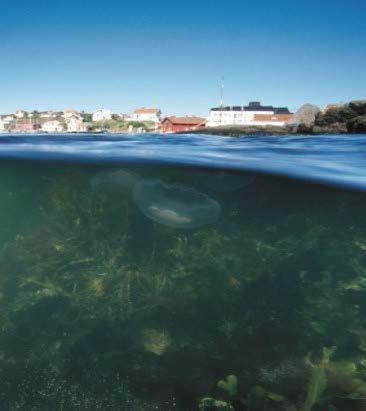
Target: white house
48,114
75,124
70,112
252,115
8,118
147,114
102,115
52,126
20,114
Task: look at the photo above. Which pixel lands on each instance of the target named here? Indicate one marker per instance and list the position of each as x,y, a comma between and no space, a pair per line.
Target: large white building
102,115
52,126
8,118
147,114
75,124
252,115
5,121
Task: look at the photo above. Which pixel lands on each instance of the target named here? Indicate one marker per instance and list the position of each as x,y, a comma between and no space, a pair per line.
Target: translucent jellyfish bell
174,205
112,180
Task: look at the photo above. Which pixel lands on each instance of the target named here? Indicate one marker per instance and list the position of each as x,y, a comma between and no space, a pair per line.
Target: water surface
334,159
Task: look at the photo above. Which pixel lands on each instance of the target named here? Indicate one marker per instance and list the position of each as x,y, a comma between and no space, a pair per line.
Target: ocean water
188,273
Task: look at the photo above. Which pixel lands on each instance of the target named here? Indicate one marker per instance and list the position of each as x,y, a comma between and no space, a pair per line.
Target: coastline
347,118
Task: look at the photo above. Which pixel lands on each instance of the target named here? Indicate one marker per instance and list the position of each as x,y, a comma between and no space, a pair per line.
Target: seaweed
229,385
103,307
317,378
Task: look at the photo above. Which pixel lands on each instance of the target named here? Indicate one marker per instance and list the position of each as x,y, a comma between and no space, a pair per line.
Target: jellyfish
113,180
175,206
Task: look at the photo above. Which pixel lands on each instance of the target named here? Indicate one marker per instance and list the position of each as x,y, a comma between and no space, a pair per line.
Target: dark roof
282,110
254,106
185,120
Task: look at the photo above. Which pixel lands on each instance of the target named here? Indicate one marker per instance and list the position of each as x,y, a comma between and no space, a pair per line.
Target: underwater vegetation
163,288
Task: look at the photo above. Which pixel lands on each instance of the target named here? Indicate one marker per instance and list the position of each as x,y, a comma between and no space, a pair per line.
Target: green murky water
152,288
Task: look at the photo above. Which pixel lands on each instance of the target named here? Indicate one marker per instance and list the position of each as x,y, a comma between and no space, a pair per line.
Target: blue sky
88,54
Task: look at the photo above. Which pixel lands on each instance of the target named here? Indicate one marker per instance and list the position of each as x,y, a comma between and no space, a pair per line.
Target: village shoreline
233,121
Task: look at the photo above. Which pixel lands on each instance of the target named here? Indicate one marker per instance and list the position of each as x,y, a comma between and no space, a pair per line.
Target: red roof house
175,124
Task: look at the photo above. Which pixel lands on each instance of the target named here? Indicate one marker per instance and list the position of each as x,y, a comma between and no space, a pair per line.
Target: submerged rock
174,205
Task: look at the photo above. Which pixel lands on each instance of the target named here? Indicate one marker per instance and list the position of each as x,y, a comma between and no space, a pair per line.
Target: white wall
69,114
102,115
52,127
146,117
48,115
75,125
8,119
268,123
19,114
242,118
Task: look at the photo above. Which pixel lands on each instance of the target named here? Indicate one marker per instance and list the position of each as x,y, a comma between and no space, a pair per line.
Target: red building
26,125
182,124
272,118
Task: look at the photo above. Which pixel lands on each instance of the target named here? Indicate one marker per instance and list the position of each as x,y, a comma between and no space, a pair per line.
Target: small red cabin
182,124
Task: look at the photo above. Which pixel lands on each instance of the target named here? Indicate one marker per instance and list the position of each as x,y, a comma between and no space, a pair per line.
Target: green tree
87,117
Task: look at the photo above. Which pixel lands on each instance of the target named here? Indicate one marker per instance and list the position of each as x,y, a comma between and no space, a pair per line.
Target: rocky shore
343,119
347,118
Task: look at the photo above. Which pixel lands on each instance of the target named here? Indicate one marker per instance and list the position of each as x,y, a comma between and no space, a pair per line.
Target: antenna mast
221,97
222,92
